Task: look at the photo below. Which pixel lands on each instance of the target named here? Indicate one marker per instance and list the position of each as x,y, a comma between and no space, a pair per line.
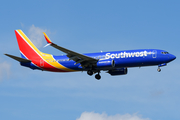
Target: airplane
115,62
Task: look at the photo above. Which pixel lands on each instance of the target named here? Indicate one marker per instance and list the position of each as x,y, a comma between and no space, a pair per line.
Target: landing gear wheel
159,70
90,72
97,76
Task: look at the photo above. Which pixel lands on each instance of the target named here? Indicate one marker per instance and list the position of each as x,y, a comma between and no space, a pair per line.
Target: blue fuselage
121,59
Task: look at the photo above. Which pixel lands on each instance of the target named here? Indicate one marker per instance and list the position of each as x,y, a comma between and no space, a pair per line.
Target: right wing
84,60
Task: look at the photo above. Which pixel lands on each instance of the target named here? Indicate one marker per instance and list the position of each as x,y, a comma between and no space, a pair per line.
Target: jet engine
105,64
120,71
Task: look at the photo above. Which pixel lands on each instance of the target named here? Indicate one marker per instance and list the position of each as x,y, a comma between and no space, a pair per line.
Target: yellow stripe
46,37
29,42
49,58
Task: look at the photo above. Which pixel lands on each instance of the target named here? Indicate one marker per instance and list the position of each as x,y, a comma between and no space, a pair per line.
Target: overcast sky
84,27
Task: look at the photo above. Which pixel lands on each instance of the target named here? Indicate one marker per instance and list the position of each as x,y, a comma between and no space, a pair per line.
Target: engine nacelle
105,64
120,71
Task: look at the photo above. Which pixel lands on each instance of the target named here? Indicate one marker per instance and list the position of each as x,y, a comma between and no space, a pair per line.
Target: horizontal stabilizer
17,58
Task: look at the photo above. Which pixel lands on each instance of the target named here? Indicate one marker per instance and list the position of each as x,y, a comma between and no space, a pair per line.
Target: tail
41,60
27,49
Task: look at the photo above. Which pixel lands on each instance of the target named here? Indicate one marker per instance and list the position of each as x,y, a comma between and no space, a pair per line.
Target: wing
84,60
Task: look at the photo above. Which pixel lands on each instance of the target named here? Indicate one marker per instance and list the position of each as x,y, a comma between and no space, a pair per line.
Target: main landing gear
97,76
90,72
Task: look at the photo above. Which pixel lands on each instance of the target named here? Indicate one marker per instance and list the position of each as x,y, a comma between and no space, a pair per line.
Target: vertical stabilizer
27,48
41,60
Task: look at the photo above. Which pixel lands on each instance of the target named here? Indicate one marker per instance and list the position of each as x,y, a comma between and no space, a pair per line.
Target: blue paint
137,58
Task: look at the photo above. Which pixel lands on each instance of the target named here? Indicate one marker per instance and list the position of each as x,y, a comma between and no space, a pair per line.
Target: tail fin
27,48
37,58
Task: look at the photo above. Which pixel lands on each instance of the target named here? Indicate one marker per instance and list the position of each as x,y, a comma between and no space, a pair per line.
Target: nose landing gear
159,69
161,65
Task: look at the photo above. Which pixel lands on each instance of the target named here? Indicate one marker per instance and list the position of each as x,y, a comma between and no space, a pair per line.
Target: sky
85,27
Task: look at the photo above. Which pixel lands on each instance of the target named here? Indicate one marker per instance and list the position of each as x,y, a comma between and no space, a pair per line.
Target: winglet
47,38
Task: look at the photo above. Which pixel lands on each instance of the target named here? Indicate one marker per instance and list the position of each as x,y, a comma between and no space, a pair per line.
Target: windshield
164,52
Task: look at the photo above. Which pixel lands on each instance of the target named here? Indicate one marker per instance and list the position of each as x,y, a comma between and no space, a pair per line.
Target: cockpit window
164,52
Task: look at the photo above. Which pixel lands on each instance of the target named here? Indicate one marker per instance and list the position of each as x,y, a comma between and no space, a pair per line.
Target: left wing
84,60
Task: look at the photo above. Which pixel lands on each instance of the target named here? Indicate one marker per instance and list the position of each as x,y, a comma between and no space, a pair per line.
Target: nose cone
172,57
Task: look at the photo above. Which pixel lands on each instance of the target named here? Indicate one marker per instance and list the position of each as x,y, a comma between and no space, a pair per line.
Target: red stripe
47,39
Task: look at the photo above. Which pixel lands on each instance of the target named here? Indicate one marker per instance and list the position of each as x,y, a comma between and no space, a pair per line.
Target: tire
97,76
90,72
159,70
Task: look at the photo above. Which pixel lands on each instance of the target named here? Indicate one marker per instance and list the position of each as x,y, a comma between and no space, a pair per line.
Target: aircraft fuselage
118,59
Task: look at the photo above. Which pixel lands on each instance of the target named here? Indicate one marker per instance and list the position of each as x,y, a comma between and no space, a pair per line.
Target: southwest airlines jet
115,63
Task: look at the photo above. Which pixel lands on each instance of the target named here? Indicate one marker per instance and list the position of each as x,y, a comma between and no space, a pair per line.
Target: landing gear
97,76
159,69
161,65
90,72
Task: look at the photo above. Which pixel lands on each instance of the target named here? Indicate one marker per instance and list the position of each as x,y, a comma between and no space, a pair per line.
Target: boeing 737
115,63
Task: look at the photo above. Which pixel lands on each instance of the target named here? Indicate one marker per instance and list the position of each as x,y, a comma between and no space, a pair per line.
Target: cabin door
154,54
42,63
